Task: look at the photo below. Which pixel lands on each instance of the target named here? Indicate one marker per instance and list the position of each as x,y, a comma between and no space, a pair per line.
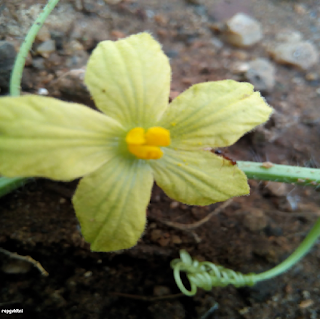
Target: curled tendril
207,275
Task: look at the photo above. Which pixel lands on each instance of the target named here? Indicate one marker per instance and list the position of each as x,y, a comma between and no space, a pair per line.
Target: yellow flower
139,139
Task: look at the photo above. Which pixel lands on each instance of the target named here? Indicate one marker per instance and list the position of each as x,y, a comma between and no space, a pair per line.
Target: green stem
16,74
207,275
281,173
8,184
300,252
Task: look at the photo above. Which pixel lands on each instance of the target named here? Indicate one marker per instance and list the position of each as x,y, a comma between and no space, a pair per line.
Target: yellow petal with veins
198,177
214,114
42,136
111,204
129,79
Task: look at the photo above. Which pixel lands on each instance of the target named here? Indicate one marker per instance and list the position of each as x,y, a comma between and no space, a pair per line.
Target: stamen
146,145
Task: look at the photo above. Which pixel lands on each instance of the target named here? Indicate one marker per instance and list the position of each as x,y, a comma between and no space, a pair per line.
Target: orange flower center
145,145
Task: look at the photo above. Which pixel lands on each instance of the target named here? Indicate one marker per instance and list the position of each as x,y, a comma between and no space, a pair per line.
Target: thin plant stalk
299,253
281,173
16,75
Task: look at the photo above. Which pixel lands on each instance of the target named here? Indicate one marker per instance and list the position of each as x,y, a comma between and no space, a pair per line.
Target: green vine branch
281,173
16,75
207,275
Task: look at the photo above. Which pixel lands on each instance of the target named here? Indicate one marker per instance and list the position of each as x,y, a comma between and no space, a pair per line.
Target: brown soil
38,220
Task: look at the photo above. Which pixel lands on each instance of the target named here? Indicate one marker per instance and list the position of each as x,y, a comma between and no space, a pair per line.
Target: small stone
70,84
117,34
149,13
43,34
299,54
16,266
87,274
42,91
242,30
174,205
288,35
45,48
160,19
217,43
163,241
261,73
56,299
162,33
255,220
156,235
300,9
73,46
85,31
77,60
38,63
306,303
311,76
276,189
239,67
7,57
159,291
240,55
175,239
244,311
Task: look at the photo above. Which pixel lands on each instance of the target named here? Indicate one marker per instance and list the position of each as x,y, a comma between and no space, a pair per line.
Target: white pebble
301,54
242,30
42,91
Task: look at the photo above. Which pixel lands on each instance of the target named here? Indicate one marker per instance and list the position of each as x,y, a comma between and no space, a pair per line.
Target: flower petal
198,177
42,136
111,204
130,80
214,114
